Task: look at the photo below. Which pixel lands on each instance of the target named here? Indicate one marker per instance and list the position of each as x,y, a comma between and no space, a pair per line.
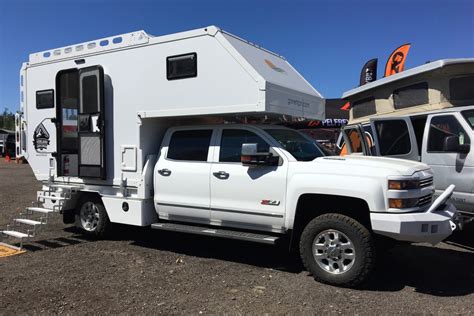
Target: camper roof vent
100,45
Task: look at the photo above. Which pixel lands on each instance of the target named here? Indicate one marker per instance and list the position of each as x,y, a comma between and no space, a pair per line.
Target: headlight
402,203
403,184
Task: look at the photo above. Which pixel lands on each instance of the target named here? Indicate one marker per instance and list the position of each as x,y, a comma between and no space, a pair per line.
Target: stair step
40,210
217,232
15,234
27,221
64,186
50,197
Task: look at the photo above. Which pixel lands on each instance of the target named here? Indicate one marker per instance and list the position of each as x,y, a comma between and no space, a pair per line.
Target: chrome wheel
334,252
89,215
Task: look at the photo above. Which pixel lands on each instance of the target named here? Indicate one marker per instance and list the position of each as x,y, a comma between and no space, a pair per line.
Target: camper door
395,137
91,123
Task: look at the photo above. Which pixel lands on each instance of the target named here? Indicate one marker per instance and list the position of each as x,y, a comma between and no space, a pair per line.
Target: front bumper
432,226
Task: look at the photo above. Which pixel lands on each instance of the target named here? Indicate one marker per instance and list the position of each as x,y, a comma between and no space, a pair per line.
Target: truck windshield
469,116
298,145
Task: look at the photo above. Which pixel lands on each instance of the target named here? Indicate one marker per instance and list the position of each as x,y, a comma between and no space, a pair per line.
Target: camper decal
41,137
272,66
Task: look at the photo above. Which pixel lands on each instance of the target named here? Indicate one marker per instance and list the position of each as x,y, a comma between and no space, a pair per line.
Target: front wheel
337,250
91,216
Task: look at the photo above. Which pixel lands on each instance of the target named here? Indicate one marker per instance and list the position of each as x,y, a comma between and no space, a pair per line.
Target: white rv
142,130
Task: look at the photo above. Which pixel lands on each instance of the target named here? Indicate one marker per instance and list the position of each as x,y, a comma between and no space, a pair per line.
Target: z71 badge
41,137
270,202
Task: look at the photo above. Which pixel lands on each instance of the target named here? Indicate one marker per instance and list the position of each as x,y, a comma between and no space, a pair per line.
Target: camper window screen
461,90
181,66
363,107
410,96
45,99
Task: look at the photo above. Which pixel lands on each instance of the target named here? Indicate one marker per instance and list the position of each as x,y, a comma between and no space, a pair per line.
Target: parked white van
424,114
178,132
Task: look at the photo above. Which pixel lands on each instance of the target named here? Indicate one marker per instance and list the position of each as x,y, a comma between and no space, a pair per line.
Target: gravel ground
138,270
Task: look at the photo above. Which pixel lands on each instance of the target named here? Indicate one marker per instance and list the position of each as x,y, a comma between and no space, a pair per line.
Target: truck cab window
469,116
189,145
231,144
442,127
299,146
393,137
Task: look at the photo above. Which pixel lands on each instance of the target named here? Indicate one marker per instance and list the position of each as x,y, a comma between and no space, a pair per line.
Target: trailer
180,133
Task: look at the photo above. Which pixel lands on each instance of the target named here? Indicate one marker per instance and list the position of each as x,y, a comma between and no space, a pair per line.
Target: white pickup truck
118,130
276,180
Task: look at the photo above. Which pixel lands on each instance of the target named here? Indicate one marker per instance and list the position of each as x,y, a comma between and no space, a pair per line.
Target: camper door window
181,66
45,99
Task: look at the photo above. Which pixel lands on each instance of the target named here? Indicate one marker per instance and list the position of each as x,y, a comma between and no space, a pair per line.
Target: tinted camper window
416,94
461,90
181,66
190,145
363,107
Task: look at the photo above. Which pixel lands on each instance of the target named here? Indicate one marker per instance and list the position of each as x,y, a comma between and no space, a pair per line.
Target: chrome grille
426,182
424,200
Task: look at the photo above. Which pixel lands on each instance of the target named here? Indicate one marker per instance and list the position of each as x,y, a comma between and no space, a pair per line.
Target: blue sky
327,41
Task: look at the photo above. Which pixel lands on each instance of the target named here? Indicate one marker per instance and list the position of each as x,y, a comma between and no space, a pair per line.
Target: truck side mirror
251,157
451,144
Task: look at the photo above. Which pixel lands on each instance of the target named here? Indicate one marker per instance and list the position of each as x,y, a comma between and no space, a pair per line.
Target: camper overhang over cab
93,112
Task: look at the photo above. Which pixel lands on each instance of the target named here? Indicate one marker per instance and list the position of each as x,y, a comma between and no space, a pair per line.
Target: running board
217,232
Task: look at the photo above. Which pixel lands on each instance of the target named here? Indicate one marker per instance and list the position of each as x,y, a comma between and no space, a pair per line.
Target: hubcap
89,216
333,251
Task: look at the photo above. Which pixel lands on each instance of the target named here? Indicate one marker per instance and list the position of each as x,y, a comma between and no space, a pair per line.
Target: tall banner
396,61
368,72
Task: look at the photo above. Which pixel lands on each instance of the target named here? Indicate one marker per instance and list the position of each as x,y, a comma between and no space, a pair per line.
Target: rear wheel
91,216
337,250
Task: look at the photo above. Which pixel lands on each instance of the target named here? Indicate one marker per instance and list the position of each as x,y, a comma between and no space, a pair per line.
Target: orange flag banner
396,61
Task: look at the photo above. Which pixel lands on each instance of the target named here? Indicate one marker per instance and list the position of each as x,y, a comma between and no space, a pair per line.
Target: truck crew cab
423,114
180,133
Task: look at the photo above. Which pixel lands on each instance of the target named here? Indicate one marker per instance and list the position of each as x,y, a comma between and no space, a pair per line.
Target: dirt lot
144,271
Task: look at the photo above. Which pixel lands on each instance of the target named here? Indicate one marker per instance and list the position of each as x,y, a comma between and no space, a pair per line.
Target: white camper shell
220,75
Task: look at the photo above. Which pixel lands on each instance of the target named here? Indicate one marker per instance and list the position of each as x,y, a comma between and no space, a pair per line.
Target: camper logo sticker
272,66
40,137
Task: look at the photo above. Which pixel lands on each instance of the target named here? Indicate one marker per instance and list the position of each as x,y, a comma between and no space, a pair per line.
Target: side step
40,210
14,233
217,232
27,221
51,197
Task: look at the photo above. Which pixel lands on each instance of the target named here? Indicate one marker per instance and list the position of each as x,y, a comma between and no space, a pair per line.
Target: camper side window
363,107
406,97
181,66
190,145
461,90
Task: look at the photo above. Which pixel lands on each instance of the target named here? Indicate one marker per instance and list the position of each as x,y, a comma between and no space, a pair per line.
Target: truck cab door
91,127
355,141
451,164
395,137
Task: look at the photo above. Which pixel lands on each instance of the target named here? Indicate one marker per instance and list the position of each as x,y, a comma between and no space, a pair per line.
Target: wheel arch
311,205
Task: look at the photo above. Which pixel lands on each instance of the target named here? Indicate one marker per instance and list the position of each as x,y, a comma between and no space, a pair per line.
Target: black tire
101,225
362,245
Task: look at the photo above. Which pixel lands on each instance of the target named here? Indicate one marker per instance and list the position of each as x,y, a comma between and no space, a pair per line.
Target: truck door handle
221,175
164,172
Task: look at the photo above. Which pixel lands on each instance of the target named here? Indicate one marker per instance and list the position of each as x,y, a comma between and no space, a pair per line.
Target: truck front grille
424,200
426,182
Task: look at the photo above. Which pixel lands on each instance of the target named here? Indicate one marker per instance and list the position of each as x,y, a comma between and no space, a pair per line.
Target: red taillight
66,165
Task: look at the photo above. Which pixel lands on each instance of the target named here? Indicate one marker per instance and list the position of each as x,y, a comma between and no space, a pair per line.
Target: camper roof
431,66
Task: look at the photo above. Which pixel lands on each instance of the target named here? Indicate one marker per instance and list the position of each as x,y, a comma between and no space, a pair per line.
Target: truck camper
180,132
424,114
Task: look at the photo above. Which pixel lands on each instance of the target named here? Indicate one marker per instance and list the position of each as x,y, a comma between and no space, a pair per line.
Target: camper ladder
50,200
